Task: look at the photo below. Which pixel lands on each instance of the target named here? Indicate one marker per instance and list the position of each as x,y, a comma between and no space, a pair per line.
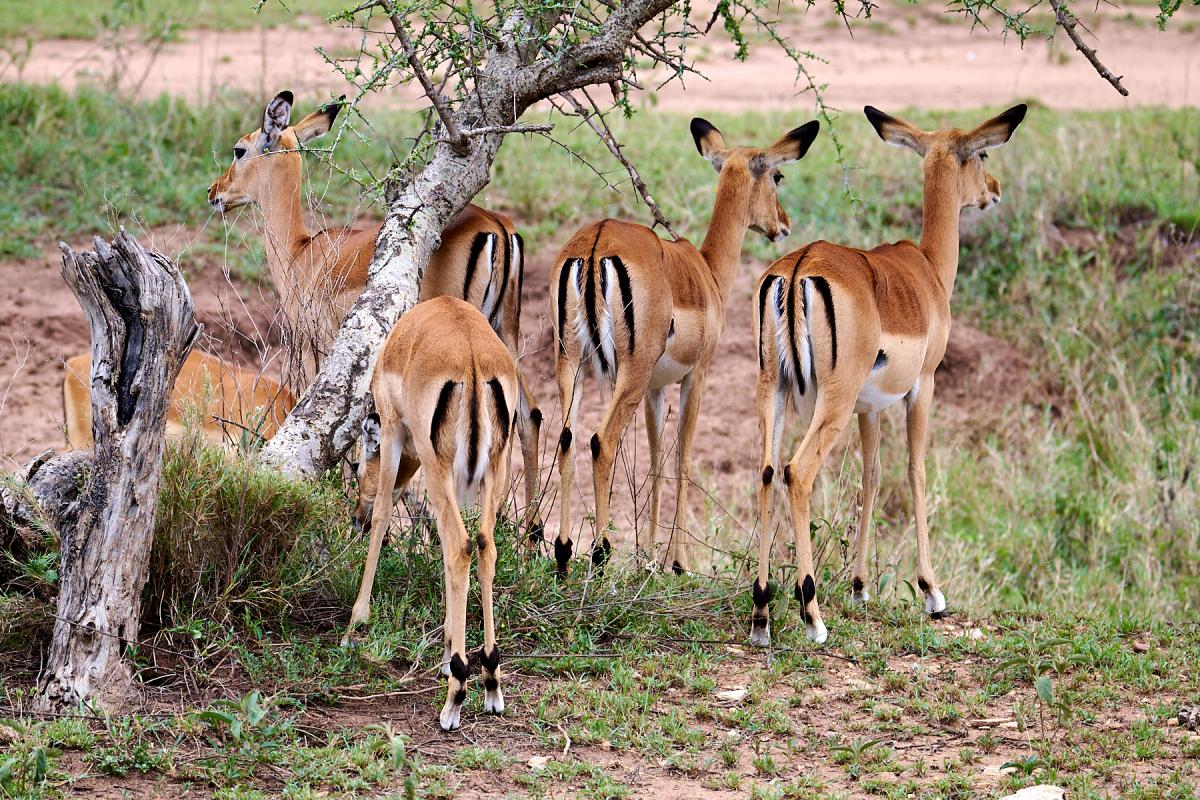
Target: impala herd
840,331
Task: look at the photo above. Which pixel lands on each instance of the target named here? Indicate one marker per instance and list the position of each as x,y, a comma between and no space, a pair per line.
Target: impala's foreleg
690,393
654,430
629,390
489,655
868,429
569,377
456,558
391,446
917,404
829,419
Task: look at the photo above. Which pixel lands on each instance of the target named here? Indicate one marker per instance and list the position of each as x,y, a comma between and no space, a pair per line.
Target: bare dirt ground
906,56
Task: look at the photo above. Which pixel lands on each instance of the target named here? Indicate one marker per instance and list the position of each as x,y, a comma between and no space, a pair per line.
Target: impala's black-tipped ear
791,147
320,121
370,437
707,138
895,131
993,133
334,108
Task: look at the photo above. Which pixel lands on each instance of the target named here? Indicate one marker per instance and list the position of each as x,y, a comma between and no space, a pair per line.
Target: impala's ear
993,133
895,131
370,437
709,141
319,122
276,116
791,147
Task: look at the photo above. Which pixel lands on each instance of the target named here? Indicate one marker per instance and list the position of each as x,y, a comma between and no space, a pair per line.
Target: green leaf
1045,689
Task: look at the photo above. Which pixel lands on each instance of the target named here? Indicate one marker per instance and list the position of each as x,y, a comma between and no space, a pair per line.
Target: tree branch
1068,22
454,136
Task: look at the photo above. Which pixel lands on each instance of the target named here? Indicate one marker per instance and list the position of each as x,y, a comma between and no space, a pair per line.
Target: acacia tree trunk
326,420
142,324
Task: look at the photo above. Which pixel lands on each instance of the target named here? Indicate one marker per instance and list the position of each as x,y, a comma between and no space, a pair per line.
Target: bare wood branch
1069,23
454,135
599,125
505,129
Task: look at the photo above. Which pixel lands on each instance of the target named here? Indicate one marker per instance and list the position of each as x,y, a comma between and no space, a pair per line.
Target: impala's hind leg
456,558
829,418
654,430
627,393
569,380
771,405
489,655
690,392
868,429
529,427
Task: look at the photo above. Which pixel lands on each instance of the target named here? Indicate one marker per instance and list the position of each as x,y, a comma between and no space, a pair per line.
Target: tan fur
676,297
443,342
319,275
875,323
205,384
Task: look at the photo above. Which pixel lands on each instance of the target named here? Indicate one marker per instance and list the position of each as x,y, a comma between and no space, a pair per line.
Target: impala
233,399
844,331
320,274
646,313
445,388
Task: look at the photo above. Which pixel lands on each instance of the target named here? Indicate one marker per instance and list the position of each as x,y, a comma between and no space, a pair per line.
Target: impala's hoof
817,631
493,701
451,716
677,568
601,552
935,604
761,637
859,597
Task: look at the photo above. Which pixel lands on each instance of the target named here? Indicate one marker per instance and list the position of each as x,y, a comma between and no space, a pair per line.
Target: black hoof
601,553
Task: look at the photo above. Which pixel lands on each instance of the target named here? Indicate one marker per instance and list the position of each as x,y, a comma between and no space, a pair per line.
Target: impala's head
963,151
758,168
367,472
266,159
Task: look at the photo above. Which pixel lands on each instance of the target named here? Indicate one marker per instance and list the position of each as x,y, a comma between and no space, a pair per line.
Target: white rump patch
490,293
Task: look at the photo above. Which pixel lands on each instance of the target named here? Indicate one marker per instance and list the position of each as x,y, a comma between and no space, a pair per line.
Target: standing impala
646,313
843,331
444,388
319,275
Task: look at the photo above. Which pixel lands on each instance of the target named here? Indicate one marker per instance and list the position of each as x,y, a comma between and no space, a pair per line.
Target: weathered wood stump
142,325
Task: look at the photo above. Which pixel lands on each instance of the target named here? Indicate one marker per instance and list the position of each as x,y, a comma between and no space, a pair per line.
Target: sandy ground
907,56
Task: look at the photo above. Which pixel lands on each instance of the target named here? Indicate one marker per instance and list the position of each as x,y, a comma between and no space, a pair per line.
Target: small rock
1042,792
733,695
539,762
1189,717
1140,647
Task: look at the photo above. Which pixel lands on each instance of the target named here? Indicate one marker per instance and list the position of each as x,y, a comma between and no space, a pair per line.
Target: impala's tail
595,308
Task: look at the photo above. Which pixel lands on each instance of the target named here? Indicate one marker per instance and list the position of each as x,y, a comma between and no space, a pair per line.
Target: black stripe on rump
563,275
797,372
763,288
823,287
439,413
477,245
502,416
626,289
507,271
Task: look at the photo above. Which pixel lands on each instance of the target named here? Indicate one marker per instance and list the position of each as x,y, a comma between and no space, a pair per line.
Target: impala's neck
722,246
939,226
285,231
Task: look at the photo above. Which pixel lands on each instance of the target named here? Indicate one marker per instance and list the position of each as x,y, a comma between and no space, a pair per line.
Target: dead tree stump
142,325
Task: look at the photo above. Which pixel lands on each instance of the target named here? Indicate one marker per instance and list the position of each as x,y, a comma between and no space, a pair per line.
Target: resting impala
320,274
242,398
445,388
843,331
646,313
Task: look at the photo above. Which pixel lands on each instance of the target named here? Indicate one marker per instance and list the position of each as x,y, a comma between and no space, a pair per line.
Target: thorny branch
1068,22
595,119
454,136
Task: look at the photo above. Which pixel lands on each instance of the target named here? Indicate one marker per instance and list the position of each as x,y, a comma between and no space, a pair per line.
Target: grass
1067,526
85,19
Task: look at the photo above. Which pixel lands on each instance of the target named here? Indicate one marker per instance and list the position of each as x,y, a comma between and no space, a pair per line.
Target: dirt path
906,56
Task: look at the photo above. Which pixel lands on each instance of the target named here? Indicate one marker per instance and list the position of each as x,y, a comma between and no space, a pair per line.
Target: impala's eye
238,152
778,176
983,156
